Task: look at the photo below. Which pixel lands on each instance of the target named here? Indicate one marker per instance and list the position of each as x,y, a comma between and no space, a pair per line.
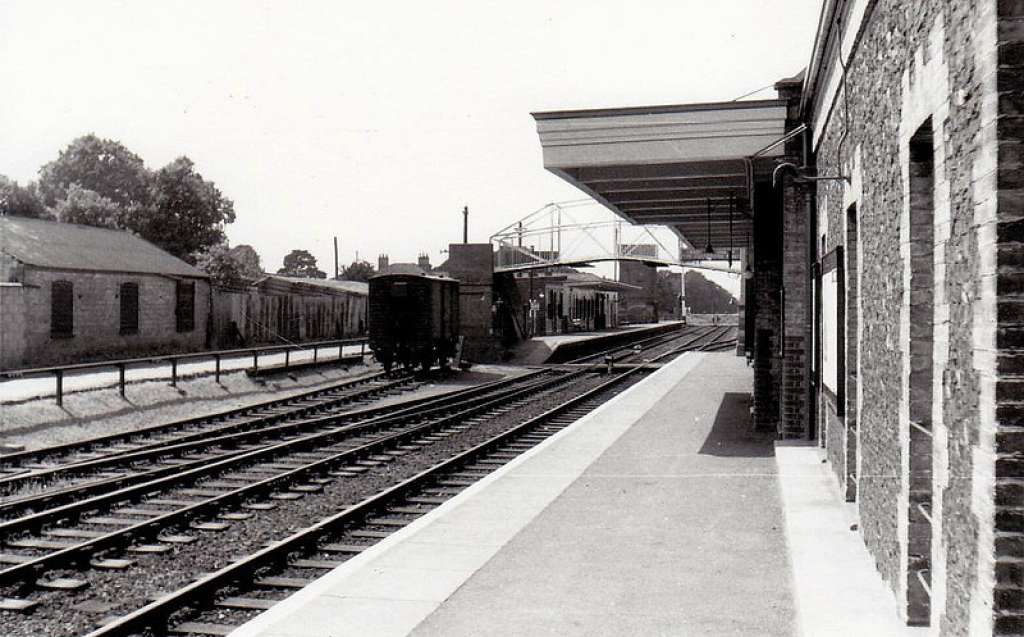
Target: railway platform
659,513
538,349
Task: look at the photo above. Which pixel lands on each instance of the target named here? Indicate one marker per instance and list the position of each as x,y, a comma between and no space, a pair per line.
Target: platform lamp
709,249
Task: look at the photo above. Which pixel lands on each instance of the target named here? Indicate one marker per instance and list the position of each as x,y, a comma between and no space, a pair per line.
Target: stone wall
97,318
915,61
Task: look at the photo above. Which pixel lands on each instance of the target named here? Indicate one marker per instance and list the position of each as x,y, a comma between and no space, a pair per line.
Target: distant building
71,293
564,300
422,265
637,304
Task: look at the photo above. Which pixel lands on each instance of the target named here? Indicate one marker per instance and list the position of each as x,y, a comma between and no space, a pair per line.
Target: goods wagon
414,319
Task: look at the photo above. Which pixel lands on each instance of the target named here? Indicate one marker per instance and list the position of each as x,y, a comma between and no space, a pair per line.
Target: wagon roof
421,274
68,246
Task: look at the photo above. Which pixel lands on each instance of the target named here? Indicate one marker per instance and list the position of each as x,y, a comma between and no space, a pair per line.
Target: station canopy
667,165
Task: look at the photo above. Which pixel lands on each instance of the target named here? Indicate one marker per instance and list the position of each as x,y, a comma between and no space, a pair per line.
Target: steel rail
692,338
412,408
599,356
156,614
34,455
185,443
80,552
404,409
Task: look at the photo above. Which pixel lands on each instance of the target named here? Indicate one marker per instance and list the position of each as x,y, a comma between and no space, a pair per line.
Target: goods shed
70,293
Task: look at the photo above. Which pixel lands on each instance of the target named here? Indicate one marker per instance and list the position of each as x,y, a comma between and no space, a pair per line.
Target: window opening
62,309
129,295
185,306
921,387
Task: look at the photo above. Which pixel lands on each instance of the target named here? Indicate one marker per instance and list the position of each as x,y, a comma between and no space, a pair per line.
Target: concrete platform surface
659,513
839,591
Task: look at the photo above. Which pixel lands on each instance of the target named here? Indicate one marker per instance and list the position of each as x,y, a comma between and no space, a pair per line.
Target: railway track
35,463
217,451
648,349
112,535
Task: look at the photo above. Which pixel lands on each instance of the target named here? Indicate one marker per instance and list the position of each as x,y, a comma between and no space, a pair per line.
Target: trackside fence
58,372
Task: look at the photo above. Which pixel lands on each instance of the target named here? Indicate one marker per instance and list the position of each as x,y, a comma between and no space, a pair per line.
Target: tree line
100,182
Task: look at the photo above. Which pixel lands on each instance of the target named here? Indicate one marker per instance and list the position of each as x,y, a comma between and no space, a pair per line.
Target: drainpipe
810,297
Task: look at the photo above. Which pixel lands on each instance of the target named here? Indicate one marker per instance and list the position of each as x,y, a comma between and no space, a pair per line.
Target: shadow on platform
732,434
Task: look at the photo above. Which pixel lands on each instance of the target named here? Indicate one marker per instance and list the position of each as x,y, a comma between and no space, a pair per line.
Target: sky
375,122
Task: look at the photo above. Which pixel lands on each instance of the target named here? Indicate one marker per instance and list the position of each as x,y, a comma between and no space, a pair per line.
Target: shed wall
97,318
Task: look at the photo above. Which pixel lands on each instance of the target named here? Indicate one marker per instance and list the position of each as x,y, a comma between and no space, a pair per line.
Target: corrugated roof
67,246
351,287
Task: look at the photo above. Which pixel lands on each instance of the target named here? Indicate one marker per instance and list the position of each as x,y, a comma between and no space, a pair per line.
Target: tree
301,263
20,201
248,260
103,166
667,290
707,297
224,270
357,271
188,213
84,206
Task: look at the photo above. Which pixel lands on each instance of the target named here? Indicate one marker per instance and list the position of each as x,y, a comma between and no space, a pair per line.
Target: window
129,308
62,309
185,306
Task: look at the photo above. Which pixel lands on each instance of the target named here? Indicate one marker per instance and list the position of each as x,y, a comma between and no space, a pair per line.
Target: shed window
185,306
62,309
129,308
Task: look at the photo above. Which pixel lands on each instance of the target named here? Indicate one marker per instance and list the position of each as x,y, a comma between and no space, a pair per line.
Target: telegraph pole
465,224
337,273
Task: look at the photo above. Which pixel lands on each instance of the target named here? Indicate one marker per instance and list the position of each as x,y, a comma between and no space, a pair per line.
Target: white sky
374,121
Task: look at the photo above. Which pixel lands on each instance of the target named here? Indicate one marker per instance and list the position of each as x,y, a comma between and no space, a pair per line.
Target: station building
70,292
884,310
562,300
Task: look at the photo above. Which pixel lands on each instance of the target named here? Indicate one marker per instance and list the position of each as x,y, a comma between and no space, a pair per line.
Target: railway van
414,319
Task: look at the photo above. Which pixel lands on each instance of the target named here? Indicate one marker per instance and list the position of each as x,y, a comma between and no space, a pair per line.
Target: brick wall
1008,569
637,306
913,61
766,307
473,265
796,315
97,318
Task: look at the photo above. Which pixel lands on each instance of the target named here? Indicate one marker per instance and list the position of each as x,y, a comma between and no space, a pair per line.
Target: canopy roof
667,165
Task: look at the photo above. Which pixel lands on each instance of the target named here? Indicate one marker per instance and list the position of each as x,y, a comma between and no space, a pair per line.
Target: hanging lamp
730,229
